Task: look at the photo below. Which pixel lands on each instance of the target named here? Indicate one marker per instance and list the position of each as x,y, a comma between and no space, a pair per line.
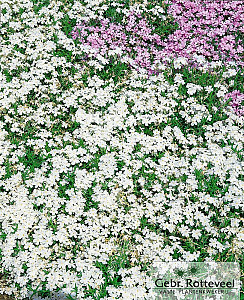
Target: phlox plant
121,143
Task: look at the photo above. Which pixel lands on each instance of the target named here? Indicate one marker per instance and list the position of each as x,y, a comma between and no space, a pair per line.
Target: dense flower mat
121,143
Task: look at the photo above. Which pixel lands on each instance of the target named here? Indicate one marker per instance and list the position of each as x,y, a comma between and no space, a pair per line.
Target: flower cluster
237,101
206,30
213,29
106,168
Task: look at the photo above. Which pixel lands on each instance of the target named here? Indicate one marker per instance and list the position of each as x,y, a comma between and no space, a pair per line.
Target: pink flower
194,36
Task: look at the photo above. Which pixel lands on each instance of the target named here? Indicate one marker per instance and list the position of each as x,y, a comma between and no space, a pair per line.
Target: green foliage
210,184
163,27
31,160
67,24
39,4
115,70
113,15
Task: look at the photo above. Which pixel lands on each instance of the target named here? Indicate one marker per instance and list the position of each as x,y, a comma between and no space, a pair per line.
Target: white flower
221,93
209,88
196,233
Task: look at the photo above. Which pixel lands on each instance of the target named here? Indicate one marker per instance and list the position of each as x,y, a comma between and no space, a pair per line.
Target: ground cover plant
121,143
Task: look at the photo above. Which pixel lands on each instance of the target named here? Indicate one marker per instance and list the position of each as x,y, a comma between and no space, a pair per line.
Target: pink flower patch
237,98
